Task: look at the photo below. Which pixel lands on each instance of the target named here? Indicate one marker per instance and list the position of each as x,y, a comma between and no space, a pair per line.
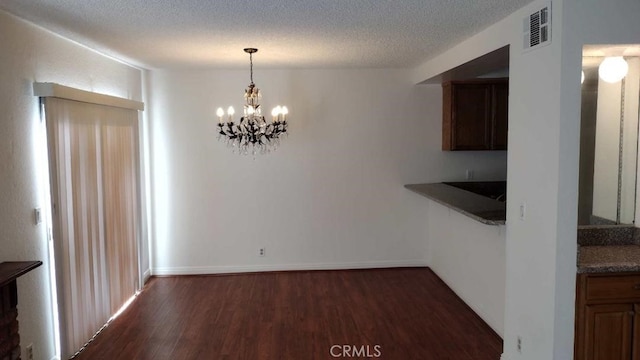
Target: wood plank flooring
408,312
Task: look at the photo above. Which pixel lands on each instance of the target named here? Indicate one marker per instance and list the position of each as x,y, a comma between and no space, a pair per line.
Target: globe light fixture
613,69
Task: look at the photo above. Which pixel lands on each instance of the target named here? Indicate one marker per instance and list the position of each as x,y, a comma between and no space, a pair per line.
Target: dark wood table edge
11,270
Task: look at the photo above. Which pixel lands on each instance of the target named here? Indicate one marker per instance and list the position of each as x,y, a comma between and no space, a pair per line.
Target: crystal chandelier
252,134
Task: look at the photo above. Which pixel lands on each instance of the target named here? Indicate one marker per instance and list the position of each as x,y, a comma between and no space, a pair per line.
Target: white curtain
93,160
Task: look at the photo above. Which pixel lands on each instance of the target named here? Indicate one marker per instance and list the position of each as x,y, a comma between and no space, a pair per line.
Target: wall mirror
609,134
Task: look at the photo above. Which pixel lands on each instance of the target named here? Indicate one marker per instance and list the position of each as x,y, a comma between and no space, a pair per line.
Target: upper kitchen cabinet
475,114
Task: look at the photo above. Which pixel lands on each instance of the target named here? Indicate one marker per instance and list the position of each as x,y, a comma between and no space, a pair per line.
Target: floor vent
537,29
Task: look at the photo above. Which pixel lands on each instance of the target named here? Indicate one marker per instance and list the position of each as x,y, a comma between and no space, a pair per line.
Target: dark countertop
608,258
608,235
608,248
477,207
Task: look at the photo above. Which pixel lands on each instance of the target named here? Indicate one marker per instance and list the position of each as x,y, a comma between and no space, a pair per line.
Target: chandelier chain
251,67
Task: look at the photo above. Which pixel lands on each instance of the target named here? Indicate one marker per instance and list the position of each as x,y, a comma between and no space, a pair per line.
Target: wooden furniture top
11,270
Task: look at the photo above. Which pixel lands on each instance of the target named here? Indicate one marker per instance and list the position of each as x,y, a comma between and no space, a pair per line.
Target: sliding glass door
95,187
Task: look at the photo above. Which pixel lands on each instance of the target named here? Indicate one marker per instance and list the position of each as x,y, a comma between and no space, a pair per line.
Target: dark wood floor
408,313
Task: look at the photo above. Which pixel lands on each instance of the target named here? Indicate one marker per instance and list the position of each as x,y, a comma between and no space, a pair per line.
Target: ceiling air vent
537,28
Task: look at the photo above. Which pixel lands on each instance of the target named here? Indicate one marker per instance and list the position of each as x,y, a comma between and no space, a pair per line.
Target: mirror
609,135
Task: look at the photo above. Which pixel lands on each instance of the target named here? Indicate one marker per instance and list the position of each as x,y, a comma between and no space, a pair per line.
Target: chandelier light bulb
231,111
613,69
220,114
284,112
278,111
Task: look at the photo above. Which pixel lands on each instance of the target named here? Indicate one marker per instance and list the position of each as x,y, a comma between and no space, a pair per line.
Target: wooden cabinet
474,114
608,317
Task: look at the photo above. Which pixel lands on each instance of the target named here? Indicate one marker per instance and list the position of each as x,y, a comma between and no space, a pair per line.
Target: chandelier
253,133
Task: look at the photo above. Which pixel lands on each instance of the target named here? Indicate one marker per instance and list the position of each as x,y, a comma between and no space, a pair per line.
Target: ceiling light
582,77
252,133
613,69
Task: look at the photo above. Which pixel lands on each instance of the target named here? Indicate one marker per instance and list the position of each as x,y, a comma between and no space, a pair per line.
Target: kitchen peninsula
480,200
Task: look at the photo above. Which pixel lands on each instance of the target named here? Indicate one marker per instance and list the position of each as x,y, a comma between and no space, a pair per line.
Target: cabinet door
608,332
471,117
636,332
500,116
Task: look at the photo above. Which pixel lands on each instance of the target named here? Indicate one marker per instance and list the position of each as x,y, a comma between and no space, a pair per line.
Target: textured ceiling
288,33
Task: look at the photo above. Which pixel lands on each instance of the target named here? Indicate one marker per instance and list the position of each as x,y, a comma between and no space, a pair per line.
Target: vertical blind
93,161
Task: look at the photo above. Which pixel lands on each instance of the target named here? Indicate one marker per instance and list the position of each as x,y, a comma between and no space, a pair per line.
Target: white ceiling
592,55
288,33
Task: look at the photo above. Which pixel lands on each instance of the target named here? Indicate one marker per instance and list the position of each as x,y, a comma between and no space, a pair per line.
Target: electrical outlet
30,352
262,252
37,216
519,344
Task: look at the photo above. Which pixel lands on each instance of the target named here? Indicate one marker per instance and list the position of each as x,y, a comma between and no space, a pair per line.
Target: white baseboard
145,276
205,270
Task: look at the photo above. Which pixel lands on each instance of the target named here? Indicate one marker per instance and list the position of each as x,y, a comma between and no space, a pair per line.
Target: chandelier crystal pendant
253,133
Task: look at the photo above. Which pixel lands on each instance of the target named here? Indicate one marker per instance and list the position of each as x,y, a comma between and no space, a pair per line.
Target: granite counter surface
608,258
477,207
589,235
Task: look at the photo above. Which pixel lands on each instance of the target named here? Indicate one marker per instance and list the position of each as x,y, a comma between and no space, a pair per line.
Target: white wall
331,196
335,196
533,179
28,54
544,117
543,174
470,257
463,253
